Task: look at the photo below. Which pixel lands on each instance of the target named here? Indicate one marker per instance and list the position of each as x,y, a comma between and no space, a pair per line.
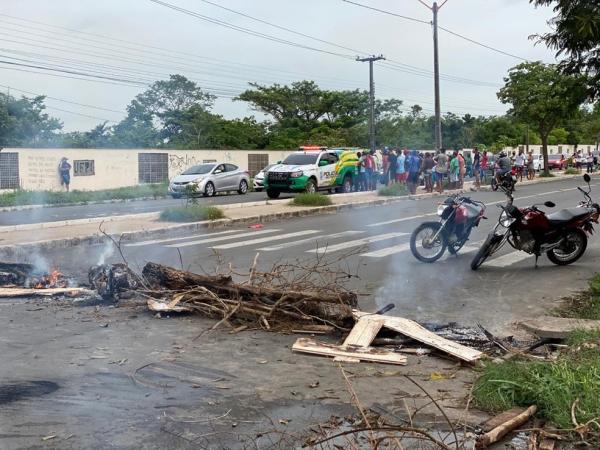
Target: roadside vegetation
20,197
191,213
393,191
566,390
307,199
572,171
546,175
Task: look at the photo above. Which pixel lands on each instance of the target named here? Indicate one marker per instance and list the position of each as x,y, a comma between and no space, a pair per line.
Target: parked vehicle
259,179
505,182
311,170
556,162
561,235
208,179
458,215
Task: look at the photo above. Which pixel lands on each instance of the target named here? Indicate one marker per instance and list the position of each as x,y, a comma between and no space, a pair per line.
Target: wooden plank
24,292
155,306
547,444
415,331
363,332
557,327
305,345
500,431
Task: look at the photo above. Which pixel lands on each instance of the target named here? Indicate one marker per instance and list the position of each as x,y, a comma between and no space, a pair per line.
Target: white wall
38,168
564,149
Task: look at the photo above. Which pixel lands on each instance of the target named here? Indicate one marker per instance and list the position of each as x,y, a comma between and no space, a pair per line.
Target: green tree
24,122
575,35
542,97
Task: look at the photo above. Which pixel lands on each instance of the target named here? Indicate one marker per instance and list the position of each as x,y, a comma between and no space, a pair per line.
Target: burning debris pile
259,301
28,276
114,281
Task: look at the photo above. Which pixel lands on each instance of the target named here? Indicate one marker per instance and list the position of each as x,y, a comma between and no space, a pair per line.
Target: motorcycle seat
566,215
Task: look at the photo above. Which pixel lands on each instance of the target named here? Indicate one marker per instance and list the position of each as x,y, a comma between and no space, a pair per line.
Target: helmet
502,154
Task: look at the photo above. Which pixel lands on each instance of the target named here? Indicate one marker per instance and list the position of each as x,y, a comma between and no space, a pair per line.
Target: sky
135,42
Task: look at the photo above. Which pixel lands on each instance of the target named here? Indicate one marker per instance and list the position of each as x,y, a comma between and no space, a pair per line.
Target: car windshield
200,169
300,159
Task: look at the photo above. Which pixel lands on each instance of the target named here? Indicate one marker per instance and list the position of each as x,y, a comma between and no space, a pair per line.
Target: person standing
590,162
461,170
370,171
414,168
360,173
401,167
477,167
441,169
468,164
520,164
392,167
427,166
64,172
530,167
484,165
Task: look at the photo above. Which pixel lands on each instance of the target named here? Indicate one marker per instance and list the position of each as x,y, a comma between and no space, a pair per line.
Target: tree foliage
576,37
23,122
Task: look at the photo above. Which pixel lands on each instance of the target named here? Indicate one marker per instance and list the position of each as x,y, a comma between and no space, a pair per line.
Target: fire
54,279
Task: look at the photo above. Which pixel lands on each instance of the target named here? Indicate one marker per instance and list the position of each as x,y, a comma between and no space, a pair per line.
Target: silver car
208,179
259,179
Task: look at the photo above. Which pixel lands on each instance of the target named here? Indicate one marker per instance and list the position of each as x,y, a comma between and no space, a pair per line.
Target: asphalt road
372,242
58,213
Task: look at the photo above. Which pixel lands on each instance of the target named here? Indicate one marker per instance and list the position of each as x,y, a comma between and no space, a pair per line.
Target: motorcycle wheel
421,248
571,250
491,244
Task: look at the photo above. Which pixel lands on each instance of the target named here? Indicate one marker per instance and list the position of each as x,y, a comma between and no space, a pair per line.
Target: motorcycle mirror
586,178
549,204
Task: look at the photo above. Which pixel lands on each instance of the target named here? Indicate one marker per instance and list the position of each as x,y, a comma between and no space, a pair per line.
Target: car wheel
209,190
176,196
243,187
273,193
311,187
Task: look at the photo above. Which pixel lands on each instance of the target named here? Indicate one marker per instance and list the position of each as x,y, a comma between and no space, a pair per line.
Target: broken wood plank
499,419
502,430
363,332
25,292
547,444
415,331
314,329
557,327
305,345
155,306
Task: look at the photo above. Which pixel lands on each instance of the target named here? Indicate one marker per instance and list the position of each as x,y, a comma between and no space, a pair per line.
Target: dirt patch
14,392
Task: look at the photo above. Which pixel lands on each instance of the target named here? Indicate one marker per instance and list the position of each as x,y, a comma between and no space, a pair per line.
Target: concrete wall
561,149
38,168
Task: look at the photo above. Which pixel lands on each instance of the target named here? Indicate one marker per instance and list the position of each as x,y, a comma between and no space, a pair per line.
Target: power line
473,41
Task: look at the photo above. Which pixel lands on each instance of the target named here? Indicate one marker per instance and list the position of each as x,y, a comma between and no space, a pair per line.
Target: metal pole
436,72
371,60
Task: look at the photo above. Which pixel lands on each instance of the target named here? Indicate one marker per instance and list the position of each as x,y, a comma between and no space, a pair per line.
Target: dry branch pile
265,299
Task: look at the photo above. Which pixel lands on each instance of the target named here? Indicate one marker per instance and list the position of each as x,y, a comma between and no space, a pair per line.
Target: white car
259,179
208,179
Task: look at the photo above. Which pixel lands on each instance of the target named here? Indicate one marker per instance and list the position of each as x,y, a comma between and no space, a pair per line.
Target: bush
20,197
572,171
307,199
544,175
192,213
393,190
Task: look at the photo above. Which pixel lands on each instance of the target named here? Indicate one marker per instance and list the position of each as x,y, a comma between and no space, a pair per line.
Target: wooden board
305,345
557,327
155,306
363,332
498,420
415,331
547,444
24,292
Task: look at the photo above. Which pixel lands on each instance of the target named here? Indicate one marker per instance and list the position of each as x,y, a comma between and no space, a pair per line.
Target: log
500,431
24,292
170,278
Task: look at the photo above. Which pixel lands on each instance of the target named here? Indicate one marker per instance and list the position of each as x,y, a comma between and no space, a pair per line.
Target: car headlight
506,220
296,174
441,209
199,180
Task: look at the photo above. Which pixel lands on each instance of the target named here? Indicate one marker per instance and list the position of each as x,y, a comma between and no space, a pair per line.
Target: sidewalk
52,235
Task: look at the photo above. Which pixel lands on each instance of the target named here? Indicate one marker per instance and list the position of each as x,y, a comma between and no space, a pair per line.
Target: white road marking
194,236
311,239
403,219
356,243
387,251
221,238
462,251
265,239
508,259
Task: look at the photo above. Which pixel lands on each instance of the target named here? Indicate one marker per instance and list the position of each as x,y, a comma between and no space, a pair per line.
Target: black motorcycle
458,215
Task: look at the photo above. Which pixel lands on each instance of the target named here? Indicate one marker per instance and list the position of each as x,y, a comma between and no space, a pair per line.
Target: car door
218,177
232,175
326,173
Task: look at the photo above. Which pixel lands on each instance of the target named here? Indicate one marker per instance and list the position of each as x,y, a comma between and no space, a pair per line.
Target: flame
54,279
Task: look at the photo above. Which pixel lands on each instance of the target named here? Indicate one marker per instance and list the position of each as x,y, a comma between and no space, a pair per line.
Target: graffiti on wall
179,163
41,169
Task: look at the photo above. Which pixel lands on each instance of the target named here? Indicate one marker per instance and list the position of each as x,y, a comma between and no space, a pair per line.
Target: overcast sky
223,60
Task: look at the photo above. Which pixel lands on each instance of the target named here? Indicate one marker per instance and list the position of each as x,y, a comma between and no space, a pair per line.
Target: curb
99,202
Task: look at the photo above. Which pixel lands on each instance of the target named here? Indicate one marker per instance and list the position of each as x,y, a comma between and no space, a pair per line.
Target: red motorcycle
562,235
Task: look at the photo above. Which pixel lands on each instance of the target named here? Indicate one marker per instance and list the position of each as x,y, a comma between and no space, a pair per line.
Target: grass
21,197
585,305
394,190
307,199
544,175
572,171
191,213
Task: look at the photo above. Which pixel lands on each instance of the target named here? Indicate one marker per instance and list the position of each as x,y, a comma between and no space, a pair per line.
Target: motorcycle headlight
441,209
296,174
506,220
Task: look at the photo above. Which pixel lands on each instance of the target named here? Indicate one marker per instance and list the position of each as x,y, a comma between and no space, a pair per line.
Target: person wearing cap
64,172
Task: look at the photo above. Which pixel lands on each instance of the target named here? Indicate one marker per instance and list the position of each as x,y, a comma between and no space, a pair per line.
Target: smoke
107,251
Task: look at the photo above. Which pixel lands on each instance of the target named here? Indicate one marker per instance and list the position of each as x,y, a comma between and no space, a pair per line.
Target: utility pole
436,73
371,60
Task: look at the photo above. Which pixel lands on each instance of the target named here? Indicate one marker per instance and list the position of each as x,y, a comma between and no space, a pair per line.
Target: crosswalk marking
161,241
308,240
221,238
356,243
392,250
265,239
403,219
508,259
462,251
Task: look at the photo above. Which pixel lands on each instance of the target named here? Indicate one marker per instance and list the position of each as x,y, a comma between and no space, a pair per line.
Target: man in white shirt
520,164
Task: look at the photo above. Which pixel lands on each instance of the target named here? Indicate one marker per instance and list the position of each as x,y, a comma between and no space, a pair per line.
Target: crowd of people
448,170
